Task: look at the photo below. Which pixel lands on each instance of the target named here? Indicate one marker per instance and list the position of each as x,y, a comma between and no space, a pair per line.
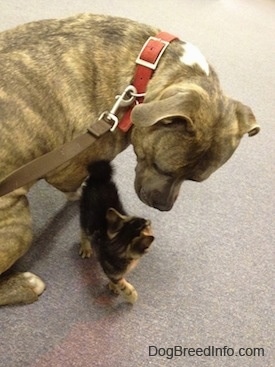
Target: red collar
147,62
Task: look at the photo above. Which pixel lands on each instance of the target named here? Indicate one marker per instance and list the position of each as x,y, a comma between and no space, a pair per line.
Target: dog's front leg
15,240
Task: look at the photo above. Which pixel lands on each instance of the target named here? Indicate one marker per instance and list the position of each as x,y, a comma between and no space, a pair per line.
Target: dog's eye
159,170
174,121
178,121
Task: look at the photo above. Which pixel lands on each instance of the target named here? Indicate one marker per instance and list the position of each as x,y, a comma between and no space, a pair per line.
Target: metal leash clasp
125,99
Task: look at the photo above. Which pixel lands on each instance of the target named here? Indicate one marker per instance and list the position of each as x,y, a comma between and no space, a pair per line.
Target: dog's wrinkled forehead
166,150
188,131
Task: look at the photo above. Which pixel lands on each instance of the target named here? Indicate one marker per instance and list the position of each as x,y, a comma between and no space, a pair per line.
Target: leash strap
40,166
147,62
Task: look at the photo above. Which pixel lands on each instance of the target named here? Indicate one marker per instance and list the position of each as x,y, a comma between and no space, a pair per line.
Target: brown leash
147,62
40,166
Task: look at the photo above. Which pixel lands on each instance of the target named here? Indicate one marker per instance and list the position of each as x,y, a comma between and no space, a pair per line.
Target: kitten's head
132,234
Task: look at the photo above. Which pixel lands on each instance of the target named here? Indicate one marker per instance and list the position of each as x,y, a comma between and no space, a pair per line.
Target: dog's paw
19,288
35,283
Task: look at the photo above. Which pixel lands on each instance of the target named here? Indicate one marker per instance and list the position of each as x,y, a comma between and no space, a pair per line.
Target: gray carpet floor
209,279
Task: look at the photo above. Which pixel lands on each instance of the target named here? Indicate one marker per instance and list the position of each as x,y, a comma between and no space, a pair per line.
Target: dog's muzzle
155,189
154,200
162,201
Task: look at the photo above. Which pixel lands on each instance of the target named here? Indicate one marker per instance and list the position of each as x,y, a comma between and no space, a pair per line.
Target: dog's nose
161,205
163,208
156,200
196,179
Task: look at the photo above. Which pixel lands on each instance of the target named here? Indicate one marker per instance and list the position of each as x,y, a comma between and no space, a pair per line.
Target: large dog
57,76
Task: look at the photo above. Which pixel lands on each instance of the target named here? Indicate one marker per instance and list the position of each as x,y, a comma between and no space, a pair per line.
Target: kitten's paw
85,252
113,288
34,282
85,249
125,289
132,296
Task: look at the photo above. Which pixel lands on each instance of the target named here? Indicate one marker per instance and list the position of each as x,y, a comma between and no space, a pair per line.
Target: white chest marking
192,55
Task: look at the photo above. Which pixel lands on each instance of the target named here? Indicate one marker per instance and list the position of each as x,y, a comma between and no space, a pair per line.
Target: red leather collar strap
147,62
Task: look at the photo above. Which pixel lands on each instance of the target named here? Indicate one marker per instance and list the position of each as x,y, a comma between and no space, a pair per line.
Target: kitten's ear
115,220
144,243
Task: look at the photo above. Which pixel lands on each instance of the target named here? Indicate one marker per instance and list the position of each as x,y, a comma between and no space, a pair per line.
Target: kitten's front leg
85,249
125,289
74,195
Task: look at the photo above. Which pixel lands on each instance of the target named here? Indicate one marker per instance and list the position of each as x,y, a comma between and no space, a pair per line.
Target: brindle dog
57,76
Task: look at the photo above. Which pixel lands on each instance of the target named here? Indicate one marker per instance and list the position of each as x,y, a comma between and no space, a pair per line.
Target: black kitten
119,240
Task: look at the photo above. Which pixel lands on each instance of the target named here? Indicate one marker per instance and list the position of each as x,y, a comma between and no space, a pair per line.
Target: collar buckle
149,50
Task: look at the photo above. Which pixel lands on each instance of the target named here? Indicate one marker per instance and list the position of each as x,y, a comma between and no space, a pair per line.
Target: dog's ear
246,119
174,103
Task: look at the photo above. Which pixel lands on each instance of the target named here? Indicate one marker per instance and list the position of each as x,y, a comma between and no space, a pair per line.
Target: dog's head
184,133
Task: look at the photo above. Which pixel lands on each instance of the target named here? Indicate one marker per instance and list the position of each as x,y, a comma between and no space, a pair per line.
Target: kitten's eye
138,225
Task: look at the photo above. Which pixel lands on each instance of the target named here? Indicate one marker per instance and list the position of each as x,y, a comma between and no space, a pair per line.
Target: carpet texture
209,277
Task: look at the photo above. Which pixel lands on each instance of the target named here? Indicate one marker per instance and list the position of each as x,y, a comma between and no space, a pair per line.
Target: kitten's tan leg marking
74,195
85,249
125,289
